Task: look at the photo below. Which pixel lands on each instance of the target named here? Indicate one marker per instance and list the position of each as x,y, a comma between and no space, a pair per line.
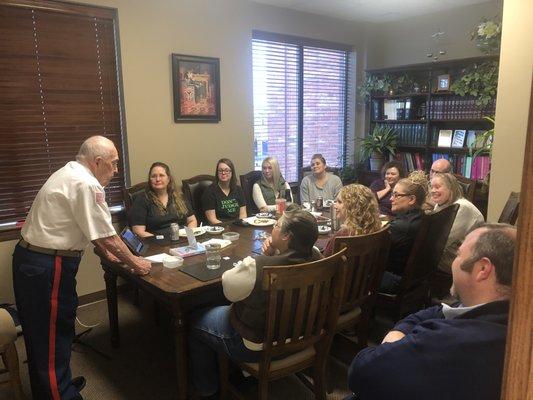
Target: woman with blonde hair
270,187
445,191
160,205
358,212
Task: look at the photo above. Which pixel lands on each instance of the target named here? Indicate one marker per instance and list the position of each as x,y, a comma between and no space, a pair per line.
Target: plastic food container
172,262
231,236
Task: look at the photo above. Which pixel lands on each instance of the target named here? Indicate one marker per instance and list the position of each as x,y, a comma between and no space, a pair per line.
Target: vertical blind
300,103
58,86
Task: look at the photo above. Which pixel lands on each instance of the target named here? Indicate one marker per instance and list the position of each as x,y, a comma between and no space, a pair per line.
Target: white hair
95,146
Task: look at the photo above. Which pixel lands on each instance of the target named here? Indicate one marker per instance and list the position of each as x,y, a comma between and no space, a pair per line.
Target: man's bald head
95,146
100,155
441,165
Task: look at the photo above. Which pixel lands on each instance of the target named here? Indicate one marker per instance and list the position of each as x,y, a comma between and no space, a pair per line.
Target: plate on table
264,215
323,229
261,221
214,230
315,214
197,231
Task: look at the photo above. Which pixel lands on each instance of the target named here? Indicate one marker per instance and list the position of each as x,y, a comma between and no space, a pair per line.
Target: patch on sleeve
99,197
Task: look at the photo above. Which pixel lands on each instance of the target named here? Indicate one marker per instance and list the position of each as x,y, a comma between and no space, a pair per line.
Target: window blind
324,104
300,101
276,85
58,86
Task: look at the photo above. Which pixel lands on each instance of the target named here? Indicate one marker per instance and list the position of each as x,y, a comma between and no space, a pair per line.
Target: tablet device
133,242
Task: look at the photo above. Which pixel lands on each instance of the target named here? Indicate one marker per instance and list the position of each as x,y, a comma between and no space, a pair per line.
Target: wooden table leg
112,306
180,350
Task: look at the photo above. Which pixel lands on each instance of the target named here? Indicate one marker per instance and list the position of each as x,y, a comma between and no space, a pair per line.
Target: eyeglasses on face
224,171
394,194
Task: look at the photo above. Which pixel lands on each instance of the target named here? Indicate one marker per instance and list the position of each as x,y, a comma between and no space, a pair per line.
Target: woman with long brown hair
160,205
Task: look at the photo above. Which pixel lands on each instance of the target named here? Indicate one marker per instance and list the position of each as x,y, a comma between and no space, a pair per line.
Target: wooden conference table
178,292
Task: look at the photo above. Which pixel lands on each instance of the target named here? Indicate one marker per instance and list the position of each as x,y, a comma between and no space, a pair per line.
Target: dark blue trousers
45,293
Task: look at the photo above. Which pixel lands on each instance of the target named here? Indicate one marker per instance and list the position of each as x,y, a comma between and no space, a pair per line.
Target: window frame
303,42
11,230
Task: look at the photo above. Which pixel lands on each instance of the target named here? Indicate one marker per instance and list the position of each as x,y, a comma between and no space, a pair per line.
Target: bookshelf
425,111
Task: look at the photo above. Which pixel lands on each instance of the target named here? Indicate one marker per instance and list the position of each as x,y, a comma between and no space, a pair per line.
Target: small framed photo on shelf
443,83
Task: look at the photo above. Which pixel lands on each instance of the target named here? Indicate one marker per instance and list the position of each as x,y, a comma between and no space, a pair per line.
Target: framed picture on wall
196,84
443,83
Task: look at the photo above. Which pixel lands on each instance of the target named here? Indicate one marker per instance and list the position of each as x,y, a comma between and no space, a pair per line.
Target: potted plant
479,81
378,145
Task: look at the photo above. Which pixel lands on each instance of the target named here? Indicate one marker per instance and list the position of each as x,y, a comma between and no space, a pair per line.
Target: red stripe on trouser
52,333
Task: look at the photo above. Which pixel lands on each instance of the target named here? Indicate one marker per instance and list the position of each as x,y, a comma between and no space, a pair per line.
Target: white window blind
300,103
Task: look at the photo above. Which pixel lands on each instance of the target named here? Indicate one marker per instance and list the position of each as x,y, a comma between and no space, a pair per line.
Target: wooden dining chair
247,184
468,186
414,288
367,257
193,189
8,336
302,311
509,213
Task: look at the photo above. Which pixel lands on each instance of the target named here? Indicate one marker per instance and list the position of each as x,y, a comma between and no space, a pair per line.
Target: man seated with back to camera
239,329
448,352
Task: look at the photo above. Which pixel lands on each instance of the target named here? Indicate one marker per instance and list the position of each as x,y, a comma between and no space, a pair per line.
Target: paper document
157,258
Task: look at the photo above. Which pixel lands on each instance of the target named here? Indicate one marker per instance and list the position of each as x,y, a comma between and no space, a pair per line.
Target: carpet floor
143,367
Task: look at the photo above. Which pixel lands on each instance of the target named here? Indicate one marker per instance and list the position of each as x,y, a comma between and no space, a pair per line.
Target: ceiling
371,10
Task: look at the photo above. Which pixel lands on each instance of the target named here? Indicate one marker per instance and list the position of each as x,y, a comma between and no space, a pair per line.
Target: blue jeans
210,331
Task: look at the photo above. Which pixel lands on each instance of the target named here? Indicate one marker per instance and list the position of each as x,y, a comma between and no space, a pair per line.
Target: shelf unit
430,112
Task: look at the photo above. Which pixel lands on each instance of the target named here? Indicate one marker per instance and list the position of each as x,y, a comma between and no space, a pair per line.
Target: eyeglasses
224,171
394,194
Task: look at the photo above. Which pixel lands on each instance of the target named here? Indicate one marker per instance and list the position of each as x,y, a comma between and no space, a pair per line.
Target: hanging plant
488,36
479,81
385,84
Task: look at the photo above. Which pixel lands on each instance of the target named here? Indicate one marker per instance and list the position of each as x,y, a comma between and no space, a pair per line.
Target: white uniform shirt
69,211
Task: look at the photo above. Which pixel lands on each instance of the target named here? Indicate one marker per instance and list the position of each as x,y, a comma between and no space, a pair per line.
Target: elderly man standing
449,352
69,211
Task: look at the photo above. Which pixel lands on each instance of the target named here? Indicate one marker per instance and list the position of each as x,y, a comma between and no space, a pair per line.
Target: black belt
51,252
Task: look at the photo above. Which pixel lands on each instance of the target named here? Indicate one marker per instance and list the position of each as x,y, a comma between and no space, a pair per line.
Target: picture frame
443,83
196,88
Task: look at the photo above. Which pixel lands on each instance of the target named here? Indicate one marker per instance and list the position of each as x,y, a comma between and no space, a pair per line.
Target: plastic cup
212,254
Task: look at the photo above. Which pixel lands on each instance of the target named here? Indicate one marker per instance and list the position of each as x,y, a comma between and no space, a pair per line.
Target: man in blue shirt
449,352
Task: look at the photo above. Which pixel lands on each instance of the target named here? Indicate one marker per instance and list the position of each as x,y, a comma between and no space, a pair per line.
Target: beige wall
149,32
512,107
409,40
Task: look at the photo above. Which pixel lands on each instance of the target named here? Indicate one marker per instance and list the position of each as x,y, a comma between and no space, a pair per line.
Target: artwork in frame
196,83
443,83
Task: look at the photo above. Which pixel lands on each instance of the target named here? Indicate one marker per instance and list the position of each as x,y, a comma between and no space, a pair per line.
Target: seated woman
357,211
270,187
160,205
223,200
407,199
320,183
445,190
239,329
391,173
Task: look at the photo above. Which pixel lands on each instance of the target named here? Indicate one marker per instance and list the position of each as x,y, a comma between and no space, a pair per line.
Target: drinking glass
212,254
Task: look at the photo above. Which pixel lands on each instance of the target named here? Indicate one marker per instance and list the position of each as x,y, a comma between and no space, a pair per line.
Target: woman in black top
407,199
160,205
223,200
391,173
